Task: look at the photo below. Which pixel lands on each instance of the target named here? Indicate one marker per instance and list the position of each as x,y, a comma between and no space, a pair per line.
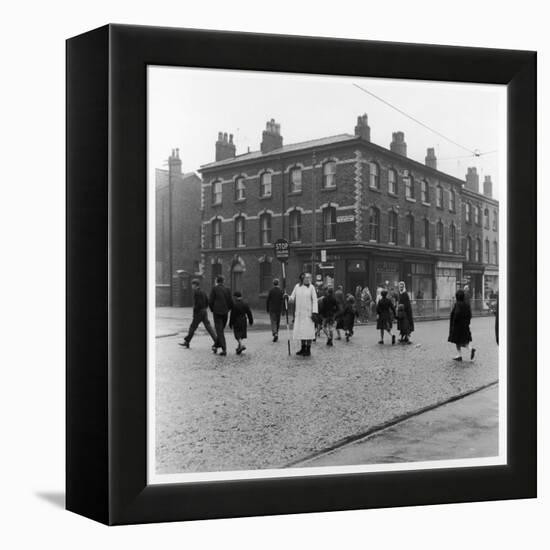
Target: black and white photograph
325,260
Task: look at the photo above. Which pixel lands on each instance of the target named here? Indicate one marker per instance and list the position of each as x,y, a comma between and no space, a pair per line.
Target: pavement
265,409
465,428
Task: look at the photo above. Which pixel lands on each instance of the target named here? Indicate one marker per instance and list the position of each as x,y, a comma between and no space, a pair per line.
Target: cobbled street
264,409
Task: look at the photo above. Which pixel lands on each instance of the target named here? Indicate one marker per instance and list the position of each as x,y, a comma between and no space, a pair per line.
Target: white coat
304,299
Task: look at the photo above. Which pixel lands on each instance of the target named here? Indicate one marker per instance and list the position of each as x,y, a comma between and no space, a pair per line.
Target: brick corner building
177,228
354,212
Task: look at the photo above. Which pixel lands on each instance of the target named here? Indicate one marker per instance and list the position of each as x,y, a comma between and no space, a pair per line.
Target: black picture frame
107,287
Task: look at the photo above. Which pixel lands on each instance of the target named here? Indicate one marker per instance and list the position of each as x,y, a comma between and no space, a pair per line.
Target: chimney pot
472,179
271,137
363,129
225,148
398,144
431,159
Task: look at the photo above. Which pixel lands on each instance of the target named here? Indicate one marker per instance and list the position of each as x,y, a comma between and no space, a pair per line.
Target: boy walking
274,306
200,314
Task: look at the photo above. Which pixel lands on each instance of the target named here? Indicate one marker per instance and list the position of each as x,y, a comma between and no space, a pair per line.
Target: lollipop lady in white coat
304,299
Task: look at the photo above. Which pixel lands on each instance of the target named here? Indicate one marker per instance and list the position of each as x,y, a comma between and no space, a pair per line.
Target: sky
187,108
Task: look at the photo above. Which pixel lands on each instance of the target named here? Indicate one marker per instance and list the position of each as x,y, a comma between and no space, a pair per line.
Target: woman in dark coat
459,328
237,320
408,320
386,313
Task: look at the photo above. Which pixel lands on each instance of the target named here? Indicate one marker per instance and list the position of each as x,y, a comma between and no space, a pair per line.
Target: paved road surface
265,409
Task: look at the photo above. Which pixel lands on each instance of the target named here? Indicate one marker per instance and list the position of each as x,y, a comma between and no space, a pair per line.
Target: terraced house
355,213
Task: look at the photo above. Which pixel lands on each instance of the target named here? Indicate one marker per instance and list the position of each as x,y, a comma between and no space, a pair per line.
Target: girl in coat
386,313
237,321
459,328
304,299
348,316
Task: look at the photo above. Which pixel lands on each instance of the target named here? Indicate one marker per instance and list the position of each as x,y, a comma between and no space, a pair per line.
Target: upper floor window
424,191
329,175
392,227
329,223
216,233
487,252
409,235
265,229
495,220
486,218
392,181
239,189
439,196
476,215
217,192
425,237
452,238
452,200
265,184
468,212
295,226
468,248
374,224
477,250
439,236
240,231
409,187
296,180
495,252
374,175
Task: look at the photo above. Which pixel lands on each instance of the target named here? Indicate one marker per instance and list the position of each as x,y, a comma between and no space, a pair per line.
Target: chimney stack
174,162
431,159
472,179
363,129
271,137
225,148
488,187
398,144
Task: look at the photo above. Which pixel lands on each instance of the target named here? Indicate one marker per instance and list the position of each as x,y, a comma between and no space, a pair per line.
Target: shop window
329,223
392,227
265,229
239,189
329,175
295,226
240,231
374,224
216,233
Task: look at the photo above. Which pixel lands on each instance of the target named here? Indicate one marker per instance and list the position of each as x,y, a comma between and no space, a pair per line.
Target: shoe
472,354
392,339
275,337
381,342
184,344
223,352
215,349
238,351
301,352
329,342
243,348
347,337
307,352
457,358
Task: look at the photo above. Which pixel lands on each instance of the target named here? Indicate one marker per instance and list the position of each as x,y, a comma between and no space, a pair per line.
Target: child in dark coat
348,316
386,312
459,326
237,320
